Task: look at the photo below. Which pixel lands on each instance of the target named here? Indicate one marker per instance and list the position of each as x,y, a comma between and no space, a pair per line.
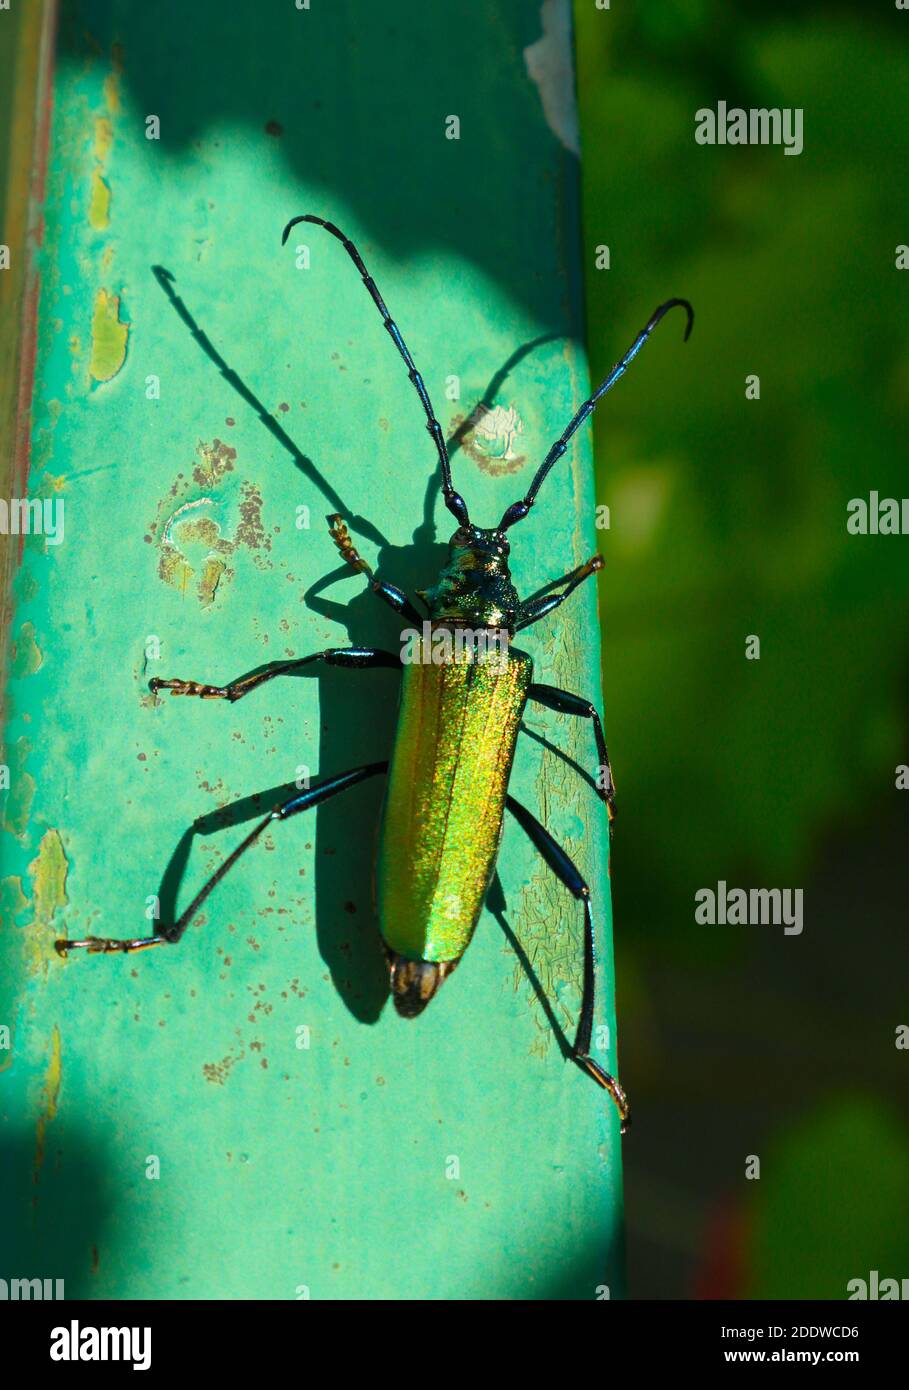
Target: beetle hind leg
564,869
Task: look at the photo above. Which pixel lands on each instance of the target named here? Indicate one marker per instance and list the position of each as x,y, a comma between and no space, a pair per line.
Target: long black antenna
518,510
453,500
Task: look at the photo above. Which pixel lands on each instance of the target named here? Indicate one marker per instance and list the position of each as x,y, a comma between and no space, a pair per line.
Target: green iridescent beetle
463,692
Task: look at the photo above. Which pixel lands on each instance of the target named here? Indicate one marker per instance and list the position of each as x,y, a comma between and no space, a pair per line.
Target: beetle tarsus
609,1083
107,945
178,687
337,529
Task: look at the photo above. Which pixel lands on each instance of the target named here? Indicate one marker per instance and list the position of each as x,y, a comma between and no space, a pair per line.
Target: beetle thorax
475,584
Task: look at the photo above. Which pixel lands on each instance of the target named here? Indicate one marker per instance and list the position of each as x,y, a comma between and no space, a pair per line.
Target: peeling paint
52,1083
200,535
21,788
550,67
488,436
48,871
26,654
109,336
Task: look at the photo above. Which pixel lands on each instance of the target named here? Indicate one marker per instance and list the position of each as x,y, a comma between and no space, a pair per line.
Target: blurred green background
728,519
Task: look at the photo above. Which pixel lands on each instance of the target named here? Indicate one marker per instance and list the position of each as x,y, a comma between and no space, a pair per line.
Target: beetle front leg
388,593
533,609
356,658
565,703
564,869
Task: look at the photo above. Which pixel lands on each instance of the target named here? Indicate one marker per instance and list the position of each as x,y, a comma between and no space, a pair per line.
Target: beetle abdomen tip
414,982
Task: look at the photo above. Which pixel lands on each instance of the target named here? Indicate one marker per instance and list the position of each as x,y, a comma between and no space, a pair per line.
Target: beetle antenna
453,500
518,510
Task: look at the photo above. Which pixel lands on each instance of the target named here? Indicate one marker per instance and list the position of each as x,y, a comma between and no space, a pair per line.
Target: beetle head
475,584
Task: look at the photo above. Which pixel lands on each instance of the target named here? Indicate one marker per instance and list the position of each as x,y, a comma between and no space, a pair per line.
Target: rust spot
216,460
218,1072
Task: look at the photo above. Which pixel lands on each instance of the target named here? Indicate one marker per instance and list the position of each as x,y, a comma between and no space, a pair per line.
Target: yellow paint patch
109,337
48,872
52,1083
99,205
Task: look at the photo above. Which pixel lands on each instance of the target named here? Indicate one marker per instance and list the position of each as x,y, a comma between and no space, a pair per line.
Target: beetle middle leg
565,703
169,936
564,869
349,657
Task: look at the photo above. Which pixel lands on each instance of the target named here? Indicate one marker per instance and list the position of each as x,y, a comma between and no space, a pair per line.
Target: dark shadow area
54,1210
353,955
367,131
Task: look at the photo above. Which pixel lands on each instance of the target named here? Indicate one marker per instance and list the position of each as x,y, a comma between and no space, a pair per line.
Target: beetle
456,735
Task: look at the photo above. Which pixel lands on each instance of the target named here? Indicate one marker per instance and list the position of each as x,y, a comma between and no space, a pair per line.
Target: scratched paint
260,1055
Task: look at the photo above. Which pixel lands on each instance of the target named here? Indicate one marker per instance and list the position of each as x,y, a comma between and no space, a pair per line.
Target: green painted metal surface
166,1129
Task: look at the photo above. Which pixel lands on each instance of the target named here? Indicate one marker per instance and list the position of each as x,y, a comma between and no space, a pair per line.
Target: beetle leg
565,703
564,869
389,593
312,796
532,609
349,657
